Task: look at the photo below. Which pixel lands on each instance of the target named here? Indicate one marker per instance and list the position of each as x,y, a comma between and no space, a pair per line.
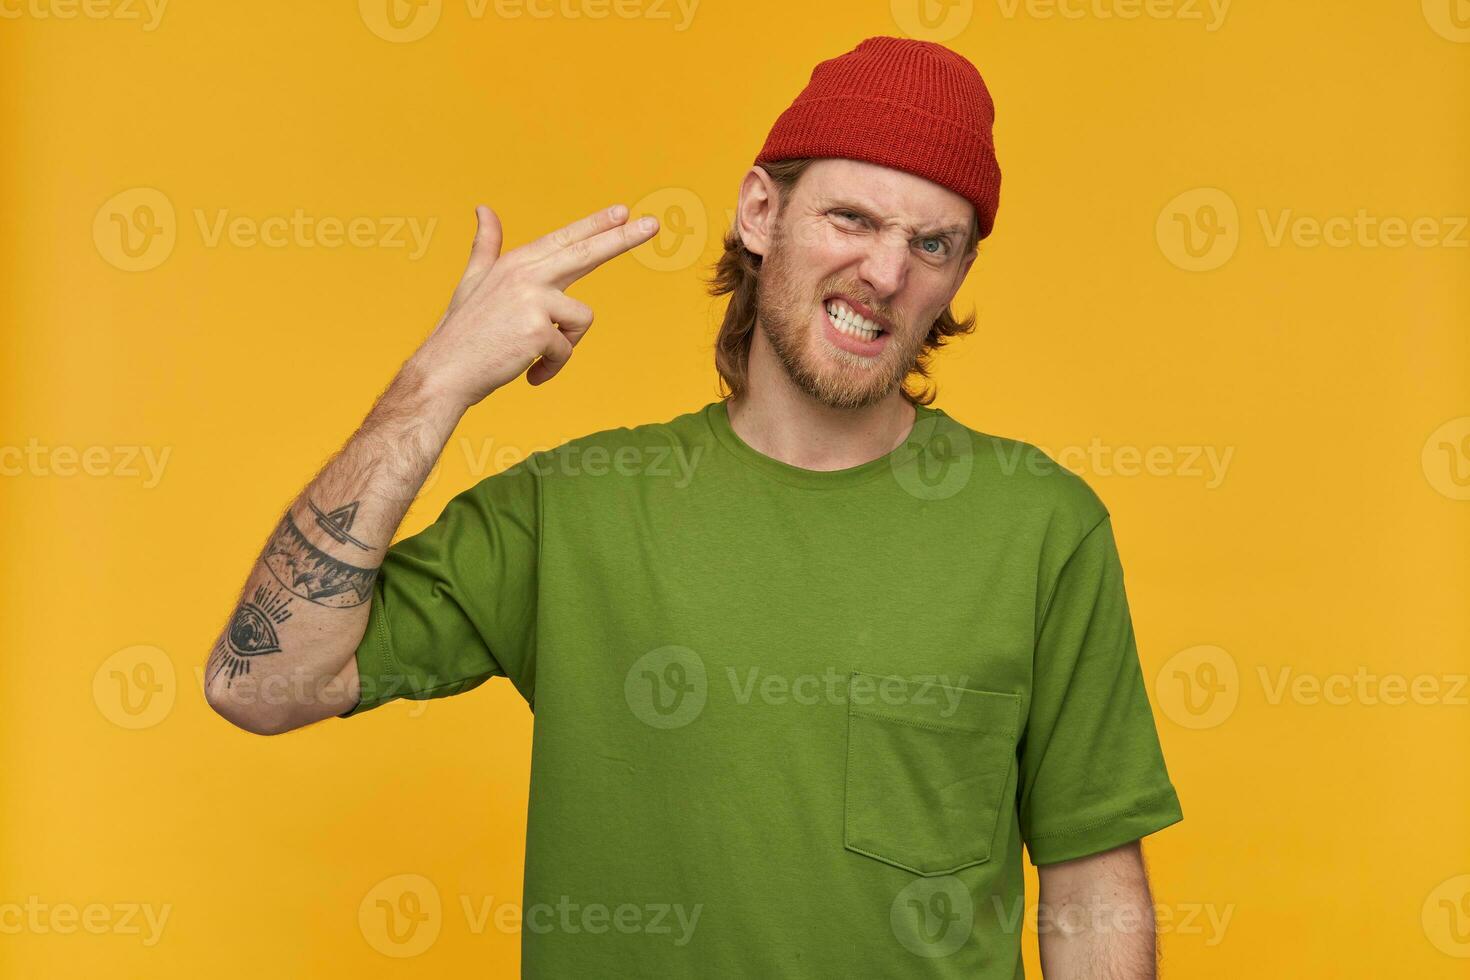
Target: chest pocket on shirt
927,771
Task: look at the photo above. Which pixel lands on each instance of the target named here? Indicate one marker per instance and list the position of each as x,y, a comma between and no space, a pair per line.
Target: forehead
891,193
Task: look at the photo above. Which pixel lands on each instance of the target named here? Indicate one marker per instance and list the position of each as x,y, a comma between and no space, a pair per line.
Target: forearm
285,658
1095,918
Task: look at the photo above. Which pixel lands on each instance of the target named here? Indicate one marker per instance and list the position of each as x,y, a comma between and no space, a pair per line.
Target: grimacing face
862,260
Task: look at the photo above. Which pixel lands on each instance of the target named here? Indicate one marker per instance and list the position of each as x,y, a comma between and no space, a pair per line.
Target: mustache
877,306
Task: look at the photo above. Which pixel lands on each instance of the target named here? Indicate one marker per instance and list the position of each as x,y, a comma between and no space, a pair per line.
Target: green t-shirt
787,723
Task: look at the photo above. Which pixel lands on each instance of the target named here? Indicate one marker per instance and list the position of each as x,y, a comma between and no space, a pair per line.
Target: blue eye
939,241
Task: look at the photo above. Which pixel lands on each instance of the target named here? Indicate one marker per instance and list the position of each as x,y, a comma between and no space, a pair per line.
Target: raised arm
286,656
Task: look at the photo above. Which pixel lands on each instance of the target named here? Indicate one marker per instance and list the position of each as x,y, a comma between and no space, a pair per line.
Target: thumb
483,253
488,237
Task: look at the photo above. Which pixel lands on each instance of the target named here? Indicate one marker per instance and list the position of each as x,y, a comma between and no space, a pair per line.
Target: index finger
577,231
571,264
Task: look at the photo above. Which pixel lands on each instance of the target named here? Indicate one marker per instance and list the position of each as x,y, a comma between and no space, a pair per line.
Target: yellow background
1330,838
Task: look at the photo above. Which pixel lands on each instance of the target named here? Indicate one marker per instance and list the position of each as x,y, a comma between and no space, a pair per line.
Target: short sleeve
455,604
1092,773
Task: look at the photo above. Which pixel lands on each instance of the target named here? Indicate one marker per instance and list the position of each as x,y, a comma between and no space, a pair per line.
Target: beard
834,377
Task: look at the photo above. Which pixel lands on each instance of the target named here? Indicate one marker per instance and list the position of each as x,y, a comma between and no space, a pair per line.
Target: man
808,665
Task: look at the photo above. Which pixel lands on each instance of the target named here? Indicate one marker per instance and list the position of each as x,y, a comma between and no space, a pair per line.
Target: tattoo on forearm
252,632
309,572
338,522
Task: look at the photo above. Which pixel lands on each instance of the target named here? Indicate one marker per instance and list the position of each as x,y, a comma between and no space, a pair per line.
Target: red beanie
910,105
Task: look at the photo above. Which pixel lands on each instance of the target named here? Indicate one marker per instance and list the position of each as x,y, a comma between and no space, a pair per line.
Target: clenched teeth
850,322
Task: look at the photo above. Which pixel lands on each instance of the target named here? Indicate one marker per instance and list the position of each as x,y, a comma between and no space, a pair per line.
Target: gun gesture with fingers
510,312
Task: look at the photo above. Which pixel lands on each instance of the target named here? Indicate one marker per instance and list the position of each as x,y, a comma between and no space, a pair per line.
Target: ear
755,215
975,252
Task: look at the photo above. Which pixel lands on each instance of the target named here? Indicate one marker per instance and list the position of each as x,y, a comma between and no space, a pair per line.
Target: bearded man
811,666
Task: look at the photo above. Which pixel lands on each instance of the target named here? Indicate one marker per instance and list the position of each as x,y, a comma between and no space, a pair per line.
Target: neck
777,419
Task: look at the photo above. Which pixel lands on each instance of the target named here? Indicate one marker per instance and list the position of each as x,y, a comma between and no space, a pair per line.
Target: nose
884,266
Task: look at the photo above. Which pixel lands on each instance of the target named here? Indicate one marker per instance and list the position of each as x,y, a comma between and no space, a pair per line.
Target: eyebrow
948,231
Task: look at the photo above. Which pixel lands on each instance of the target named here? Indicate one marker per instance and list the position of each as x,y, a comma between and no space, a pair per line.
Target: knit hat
911,105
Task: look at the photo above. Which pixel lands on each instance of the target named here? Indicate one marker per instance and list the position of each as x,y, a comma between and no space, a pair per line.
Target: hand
509,312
